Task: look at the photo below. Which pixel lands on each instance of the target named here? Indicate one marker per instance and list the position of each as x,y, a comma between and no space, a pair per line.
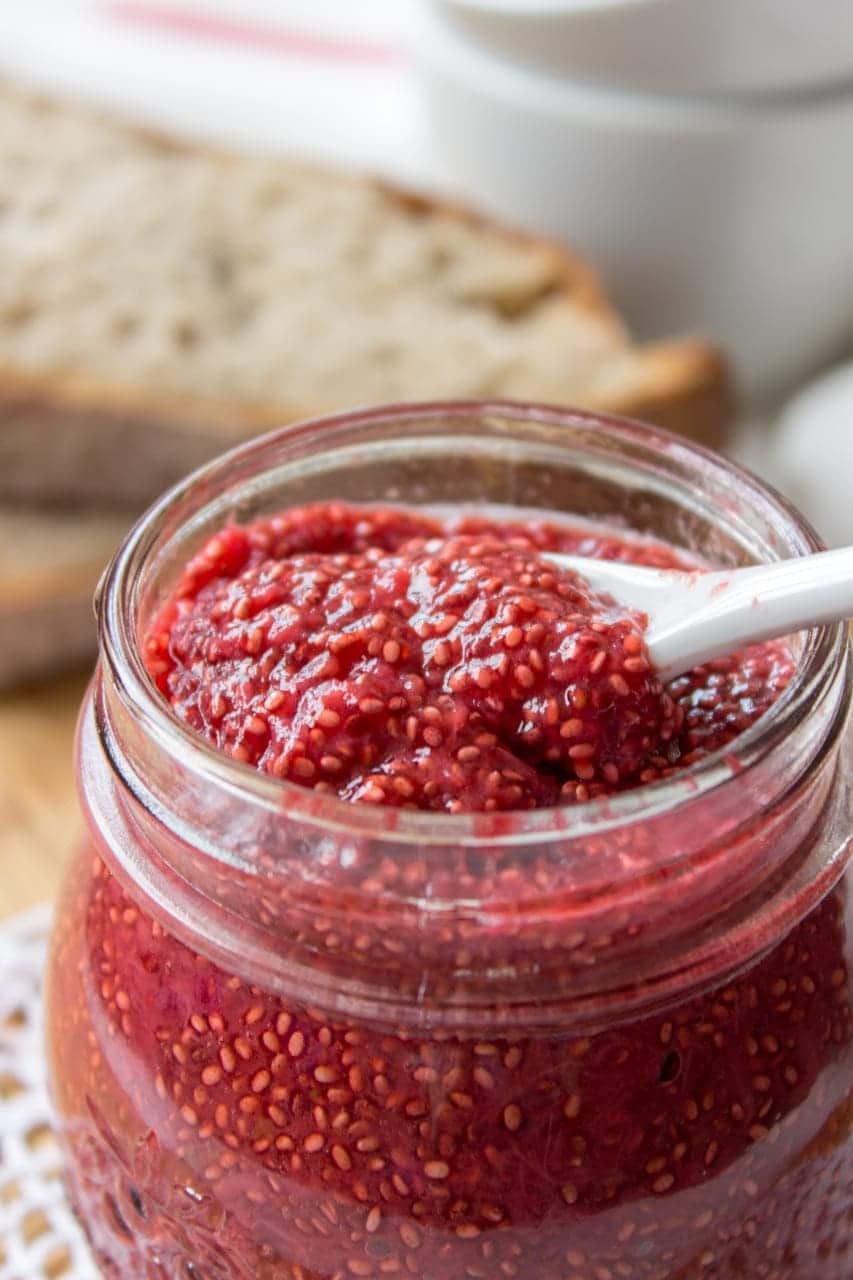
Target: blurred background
164,294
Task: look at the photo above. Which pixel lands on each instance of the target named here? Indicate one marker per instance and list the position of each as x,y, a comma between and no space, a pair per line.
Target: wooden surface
39,819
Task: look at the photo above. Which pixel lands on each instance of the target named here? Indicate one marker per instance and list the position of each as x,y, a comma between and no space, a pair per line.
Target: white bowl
813,454
730,219
692,46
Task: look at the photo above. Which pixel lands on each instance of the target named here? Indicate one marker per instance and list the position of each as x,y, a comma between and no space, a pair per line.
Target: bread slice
159,301
49,568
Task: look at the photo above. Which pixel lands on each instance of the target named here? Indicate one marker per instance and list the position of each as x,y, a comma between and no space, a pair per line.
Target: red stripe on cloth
288,41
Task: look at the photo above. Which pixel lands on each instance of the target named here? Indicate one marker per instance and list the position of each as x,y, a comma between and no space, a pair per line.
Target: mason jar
297,1039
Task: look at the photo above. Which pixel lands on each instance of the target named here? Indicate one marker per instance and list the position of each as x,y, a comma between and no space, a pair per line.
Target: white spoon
694,617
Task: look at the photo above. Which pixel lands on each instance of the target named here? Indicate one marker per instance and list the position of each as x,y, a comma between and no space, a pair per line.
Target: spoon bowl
694,615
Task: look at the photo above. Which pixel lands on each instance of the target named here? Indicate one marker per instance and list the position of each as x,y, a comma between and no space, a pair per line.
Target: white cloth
37,1228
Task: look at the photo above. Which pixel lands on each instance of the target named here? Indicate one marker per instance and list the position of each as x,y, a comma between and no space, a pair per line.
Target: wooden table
39,819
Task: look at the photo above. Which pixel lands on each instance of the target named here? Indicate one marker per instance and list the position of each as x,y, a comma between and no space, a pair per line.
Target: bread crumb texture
248,280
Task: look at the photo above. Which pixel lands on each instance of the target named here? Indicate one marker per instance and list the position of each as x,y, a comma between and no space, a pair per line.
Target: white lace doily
39,1237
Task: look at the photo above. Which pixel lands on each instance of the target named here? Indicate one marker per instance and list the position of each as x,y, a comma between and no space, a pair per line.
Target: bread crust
46,637
49,568
68,441
687,390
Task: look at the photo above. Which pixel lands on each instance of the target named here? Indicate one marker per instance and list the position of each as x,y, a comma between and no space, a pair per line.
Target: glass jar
294,1039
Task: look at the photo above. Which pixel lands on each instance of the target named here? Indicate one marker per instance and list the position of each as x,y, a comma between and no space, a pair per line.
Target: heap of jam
392,659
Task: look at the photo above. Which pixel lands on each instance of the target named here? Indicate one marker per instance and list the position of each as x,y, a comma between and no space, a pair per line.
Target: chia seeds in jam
393,659
219,1129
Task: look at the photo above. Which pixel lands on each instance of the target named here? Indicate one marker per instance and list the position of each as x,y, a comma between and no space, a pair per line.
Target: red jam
398,660
218,1131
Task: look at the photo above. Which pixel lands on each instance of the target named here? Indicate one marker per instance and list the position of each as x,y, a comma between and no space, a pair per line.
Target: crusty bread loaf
49,567
159,301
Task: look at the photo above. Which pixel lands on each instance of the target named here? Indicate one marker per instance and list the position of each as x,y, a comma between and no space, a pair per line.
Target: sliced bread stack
161,301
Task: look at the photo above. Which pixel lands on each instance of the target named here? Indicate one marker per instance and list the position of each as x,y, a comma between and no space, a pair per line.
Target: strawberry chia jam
421,932
392,659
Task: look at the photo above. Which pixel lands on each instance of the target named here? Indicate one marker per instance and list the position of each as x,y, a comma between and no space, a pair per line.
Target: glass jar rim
116,602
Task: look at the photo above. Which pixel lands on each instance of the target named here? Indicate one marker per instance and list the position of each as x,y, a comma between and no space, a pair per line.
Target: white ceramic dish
725,218
813,454
693,46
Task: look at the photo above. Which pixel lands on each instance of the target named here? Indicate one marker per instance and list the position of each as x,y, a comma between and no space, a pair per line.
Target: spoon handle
709,615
